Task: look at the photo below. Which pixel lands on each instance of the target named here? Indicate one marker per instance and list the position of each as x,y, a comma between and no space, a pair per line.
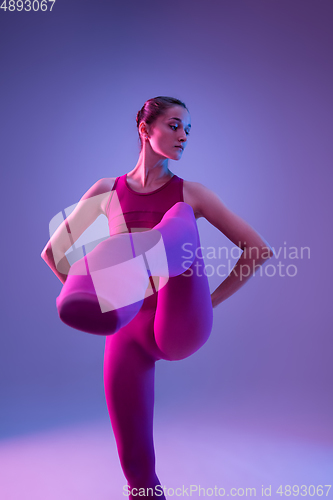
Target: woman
170,316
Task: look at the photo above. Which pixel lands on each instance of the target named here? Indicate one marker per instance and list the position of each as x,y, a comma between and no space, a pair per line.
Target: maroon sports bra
128,210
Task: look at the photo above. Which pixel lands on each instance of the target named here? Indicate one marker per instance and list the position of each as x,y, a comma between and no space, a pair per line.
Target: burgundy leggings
172,324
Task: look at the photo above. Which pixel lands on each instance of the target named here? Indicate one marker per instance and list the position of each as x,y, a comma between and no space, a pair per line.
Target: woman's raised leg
184,314
105,290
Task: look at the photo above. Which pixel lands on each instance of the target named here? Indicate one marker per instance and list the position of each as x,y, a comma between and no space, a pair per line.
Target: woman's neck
150,170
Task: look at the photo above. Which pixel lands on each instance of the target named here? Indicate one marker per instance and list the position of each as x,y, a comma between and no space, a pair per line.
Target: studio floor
195,458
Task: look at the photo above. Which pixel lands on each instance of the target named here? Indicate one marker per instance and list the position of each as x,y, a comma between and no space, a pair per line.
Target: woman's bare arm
256,250
90,206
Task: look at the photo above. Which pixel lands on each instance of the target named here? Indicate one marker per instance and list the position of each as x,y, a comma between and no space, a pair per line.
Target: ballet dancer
137,287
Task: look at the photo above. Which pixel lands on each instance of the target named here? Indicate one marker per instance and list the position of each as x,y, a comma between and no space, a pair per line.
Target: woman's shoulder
99,192
199,197
103,185
192,186
197,190
194,193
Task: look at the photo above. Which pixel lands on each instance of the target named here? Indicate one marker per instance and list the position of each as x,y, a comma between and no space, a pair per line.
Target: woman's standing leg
129,389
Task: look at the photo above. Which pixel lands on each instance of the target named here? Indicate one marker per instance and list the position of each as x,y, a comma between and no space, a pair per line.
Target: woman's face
169,132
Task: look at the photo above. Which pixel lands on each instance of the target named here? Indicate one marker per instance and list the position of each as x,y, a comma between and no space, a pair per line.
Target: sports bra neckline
150,192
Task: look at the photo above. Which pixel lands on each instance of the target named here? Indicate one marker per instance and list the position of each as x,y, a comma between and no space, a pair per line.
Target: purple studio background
257,79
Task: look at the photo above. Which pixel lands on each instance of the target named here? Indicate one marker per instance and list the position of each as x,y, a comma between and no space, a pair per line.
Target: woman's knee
177,344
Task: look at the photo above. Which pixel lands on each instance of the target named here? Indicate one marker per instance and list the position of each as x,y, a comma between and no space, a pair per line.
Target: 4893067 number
304,490
27,5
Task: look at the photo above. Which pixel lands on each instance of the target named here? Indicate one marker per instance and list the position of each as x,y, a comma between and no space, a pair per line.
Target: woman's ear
143,129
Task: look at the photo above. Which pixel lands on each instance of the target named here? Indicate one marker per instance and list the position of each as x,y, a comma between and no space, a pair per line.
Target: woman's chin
177,155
